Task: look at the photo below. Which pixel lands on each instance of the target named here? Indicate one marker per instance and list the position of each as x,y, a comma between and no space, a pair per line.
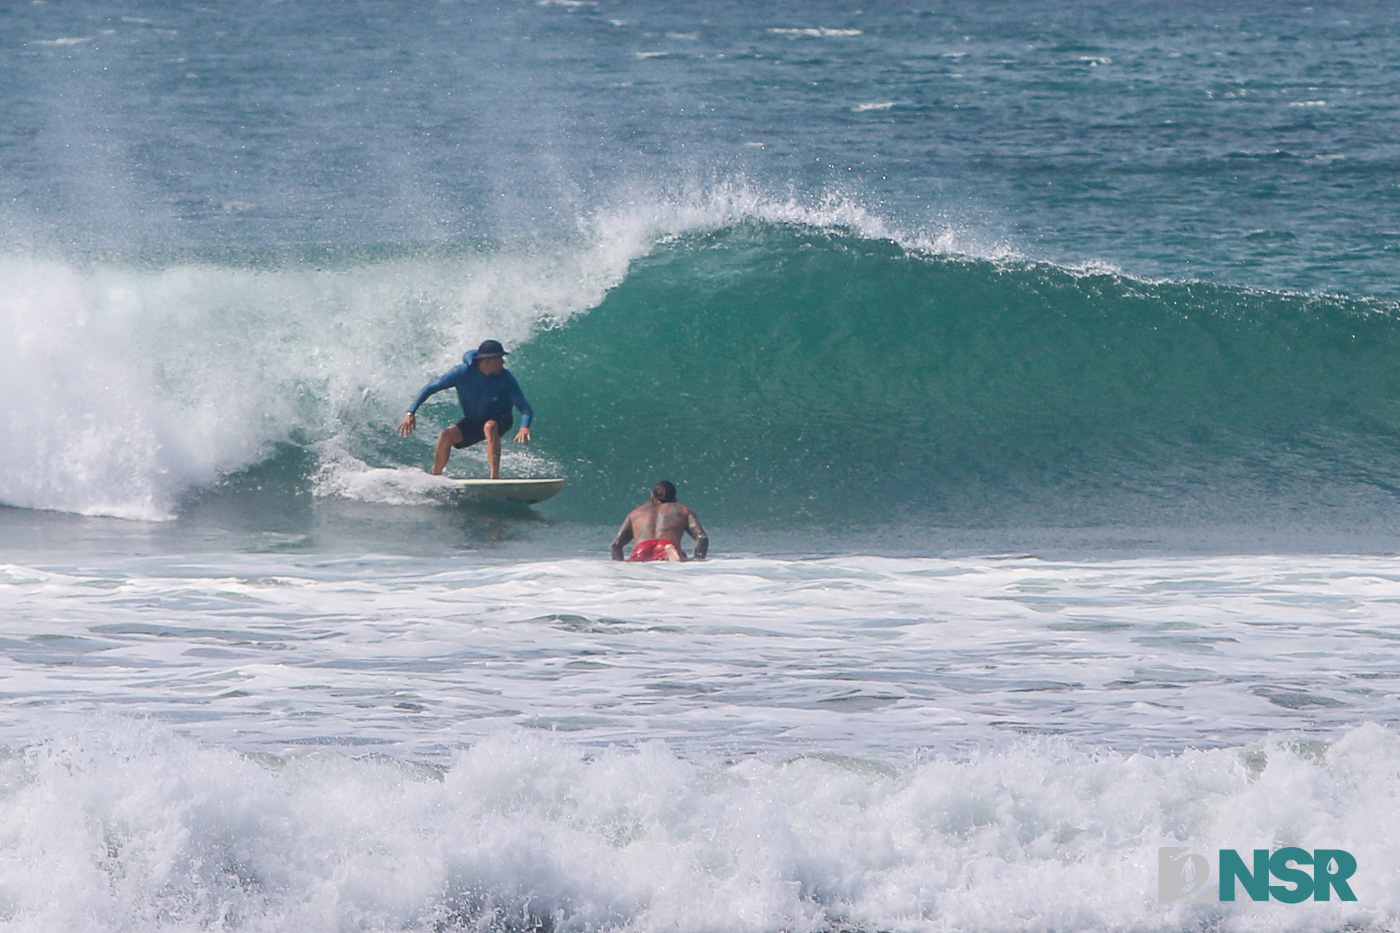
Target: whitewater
368,741
1034,370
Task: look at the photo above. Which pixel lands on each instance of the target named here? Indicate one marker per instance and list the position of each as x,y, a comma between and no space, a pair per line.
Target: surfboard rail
527,491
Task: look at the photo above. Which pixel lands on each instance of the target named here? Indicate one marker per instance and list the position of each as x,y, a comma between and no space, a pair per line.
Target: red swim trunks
654,549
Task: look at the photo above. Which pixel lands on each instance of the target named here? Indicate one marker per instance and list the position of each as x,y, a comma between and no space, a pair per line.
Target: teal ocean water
1034,367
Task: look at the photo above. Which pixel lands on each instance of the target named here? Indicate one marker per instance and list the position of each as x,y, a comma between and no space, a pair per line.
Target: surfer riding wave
487,391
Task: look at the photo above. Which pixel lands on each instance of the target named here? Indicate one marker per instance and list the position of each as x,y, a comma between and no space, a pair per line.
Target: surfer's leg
446,440
493,447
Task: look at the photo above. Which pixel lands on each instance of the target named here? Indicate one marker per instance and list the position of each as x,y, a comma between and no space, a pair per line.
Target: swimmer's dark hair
664,491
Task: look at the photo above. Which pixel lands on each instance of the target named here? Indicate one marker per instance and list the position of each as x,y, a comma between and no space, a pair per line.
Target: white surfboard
528,491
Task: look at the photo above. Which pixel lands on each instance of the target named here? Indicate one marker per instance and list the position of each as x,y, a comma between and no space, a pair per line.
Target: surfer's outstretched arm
624,534
447,380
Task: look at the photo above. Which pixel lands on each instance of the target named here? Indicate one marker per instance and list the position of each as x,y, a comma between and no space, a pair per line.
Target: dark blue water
1248,142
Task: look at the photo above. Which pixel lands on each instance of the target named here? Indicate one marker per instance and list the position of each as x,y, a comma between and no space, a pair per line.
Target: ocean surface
1033,365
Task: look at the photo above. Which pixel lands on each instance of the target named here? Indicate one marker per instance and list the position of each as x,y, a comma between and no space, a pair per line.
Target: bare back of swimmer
658,526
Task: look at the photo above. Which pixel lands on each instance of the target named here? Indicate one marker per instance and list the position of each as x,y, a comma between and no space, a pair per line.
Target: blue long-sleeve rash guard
482,397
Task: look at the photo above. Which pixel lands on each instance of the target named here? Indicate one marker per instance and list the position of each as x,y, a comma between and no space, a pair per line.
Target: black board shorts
474,429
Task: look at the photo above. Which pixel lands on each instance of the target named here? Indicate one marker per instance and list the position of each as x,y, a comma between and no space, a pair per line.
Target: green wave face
789,376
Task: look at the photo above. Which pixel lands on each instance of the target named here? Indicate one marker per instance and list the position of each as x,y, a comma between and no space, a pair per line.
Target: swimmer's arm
702,541
624,534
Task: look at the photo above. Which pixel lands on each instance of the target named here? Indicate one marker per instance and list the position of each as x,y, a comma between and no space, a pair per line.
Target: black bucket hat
490,348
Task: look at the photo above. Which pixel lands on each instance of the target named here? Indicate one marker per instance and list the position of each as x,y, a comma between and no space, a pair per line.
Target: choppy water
383,742
857,656
1032,367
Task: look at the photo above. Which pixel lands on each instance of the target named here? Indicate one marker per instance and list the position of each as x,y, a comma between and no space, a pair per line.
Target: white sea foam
651,216
120,828
125,387
370,741
351,478
881,656
343,475
814,32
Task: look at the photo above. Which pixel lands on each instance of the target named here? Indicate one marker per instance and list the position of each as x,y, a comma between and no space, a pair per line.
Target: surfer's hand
407,425
523,436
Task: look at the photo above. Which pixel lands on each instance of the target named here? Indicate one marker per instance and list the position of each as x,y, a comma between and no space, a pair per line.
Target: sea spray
129,384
